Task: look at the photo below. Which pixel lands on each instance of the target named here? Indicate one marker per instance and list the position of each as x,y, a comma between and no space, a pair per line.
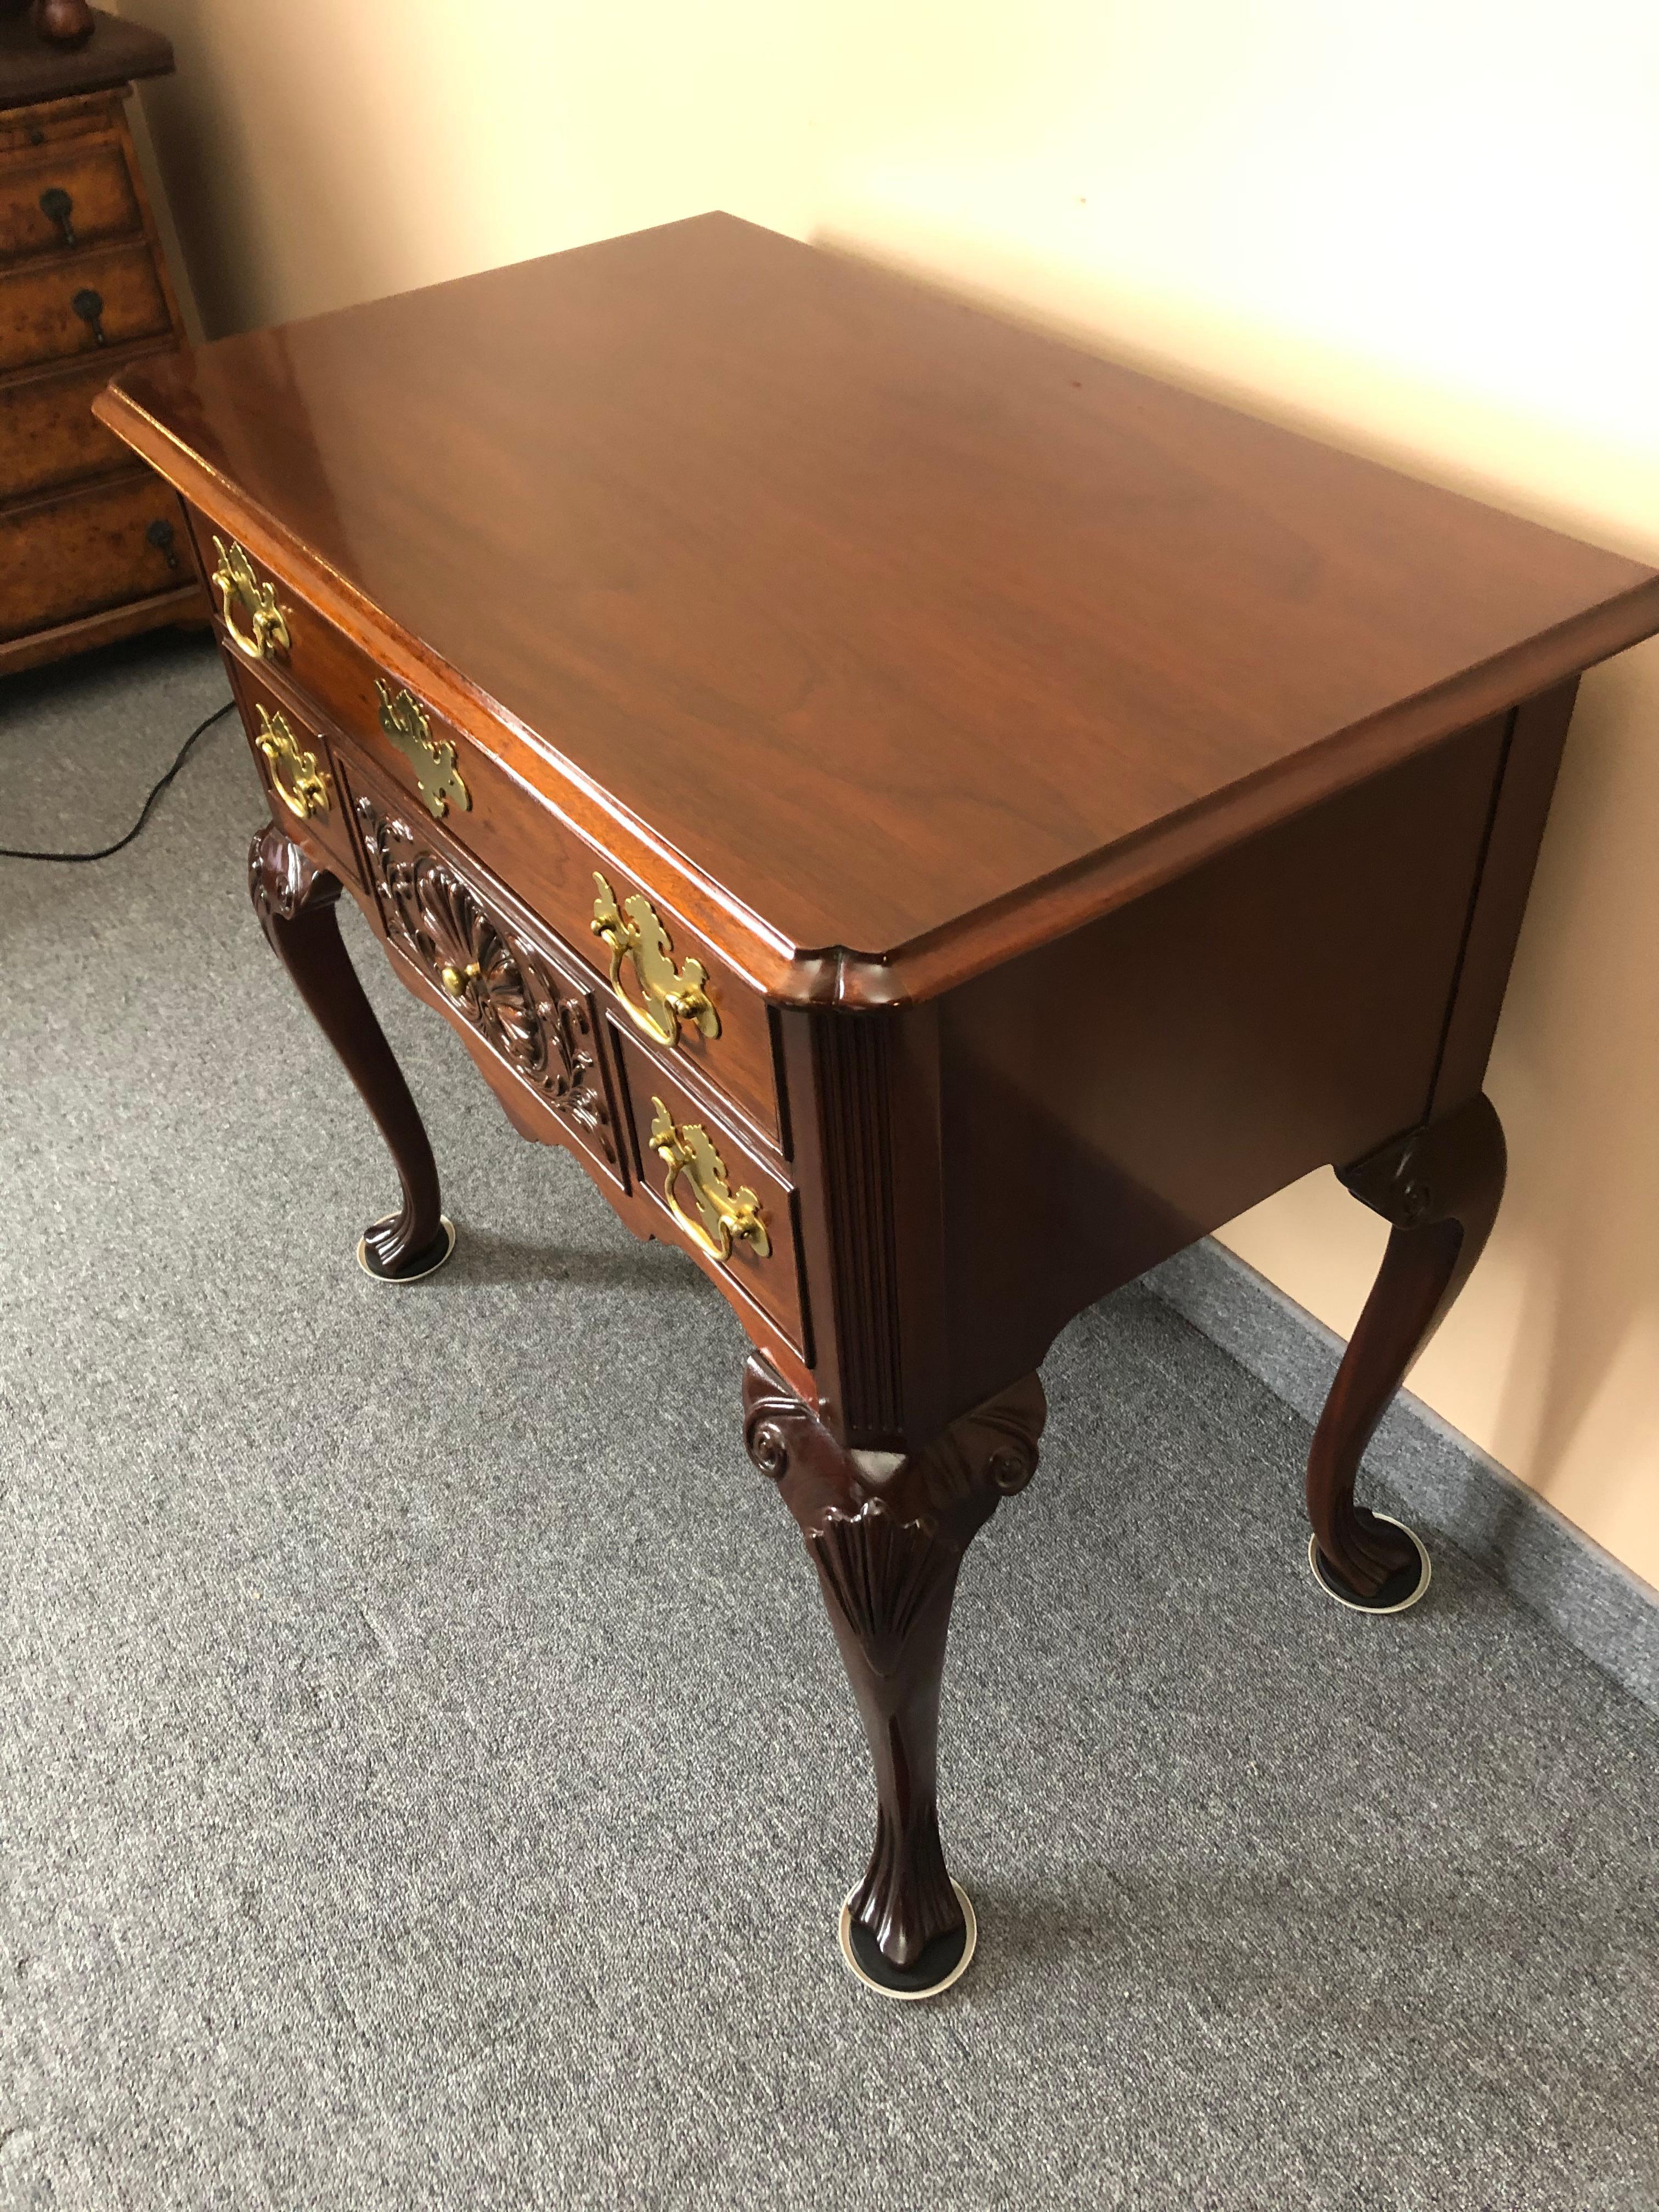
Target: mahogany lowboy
934,822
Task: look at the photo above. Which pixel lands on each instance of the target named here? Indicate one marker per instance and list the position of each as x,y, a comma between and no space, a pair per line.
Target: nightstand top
32,68
909,630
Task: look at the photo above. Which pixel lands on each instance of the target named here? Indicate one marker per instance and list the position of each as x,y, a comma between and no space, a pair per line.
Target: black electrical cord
10,853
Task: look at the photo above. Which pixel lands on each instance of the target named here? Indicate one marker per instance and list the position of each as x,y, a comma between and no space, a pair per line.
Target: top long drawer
676,988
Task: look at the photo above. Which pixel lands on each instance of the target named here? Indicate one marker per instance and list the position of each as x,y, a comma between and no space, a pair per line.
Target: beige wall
324,151
1426,230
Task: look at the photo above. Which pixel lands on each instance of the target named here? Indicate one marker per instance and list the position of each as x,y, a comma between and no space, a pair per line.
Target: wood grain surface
73,554
49,434
92,178
915,633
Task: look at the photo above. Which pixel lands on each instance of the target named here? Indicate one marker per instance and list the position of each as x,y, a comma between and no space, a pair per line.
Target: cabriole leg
295,904
887,1531
1439,1188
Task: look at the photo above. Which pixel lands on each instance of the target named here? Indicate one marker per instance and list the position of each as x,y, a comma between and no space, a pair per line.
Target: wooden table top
907,627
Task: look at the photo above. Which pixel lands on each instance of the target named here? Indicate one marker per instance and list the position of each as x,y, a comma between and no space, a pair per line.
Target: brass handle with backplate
726,1216
634,932
432,759
296,776
237,587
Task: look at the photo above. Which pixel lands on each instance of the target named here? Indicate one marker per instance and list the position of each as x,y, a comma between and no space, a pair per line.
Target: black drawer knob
160,535
90,305
57,207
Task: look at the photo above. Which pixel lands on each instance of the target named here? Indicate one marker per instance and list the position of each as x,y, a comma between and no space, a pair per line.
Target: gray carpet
426,1778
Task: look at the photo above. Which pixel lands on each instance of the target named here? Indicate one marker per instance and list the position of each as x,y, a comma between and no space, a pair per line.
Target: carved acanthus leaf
880,1571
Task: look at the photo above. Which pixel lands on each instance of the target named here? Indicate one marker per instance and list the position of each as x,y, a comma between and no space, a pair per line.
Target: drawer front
51,310
49,434
650,957
733,1213
299,774
89,551
25,131
493,971
76,196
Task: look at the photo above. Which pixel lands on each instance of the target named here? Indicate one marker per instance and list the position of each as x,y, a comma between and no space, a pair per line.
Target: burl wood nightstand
92,546
933,822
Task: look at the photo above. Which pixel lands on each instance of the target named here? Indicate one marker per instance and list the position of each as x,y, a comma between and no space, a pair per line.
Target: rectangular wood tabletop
911,631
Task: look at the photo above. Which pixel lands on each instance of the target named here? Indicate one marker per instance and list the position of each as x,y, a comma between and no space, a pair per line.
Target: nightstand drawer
49,434
76,303
717,1196
79,552
674,987
73,196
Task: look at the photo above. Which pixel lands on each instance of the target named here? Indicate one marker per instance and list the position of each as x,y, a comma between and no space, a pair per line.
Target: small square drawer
298,772
731,1212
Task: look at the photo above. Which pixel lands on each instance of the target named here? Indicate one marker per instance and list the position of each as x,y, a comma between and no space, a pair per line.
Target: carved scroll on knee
283,882
987,1453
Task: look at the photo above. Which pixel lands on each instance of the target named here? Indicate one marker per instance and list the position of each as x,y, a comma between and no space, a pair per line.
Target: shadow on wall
1576,1072
276,180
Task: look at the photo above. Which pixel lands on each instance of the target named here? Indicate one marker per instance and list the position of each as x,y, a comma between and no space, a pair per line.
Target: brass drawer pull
432,759
238,585
295,778
673,995
727,1214
57,207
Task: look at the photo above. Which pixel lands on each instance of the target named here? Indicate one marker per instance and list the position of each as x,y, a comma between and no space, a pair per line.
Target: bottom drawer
83,551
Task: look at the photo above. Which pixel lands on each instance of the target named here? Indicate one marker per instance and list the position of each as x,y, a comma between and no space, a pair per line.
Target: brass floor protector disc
896,1989
1324,1574
416,1274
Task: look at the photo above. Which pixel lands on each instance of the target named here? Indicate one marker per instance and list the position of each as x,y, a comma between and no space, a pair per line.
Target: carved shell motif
489,973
